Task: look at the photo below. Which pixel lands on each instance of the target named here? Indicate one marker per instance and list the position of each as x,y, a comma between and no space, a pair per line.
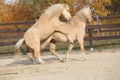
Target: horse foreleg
52,49
81,44
44,44
70,39
83,51
68,52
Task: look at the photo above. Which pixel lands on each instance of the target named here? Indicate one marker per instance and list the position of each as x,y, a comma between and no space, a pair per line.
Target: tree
115,7
22,10
100,7
6,14
21,13
3,10
35,7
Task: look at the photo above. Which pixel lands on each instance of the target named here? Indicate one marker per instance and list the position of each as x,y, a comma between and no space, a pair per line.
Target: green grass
102,44
107,44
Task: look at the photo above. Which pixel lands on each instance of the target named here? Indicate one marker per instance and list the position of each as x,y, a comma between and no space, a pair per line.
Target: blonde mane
53,10
82,14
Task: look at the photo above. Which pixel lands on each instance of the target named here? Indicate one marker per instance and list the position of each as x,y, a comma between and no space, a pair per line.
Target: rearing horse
42,29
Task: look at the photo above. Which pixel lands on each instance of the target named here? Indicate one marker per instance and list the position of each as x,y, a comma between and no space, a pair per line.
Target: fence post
90,39
98,23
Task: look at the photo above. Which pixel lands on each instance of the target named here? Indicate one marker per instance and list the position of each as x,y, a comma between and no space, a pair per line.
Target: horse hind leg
37,56
31,55
52,49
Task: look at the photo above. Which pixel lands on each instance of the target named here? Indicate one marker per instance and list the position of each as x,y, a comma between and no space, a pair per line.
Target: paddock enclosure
10,33
101,65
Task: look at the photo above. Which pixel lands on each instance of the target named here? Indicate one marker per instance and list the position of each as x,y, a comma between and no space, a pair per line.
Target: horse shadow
20,62
29,62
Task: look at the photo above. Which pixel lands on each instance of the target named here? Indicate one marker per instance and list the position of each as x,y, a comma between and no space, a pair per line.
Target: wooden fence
94,32
103,31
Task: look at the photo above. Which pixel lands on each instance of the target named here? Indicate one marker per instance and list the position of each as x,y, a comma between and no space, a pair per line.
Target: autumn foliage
27,10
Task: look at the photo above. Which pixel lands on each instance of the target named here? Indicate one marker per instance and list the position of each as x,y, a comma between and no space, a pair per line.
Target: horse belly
58,37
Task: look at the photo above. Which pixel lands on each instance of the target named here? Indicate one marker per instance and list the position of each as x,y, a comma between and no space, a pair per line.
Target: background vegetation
29,10
26,10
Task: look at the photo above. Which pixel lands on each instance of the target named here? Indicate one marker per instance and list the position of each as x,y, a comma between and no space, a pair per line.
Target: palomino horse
42,29
75,28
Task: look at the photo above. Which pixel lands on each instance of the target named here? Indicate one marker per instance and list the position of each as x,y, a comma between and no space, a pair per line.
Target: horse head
65,11
55,10
85,13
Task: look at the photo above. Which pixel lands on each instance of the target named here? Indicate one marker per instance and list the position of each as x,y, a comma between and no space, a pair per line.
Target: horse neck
80,18
78,22
55,19
43,17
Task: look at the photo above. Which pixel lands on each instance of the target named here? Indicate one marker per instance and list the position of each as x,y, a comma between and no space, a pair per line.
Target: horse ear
92,9
65,5
88,6
75,4
50,4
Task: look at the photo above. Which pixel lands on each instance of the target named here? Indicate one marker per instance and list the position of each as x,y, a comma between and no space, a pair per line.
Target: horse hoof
66,60
31,59
62,61
39,61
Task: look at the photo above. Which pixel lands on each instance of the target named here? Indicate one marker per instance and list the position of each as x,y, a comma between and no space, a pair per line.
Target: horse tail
17,49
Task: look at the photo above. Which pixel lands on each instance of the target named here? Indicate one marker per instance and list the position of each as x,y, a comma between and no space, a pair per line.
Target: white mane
53,10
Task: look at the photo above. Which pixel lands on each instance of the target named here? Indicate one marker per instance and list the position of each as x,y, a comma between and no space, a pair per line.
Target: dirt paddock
101,65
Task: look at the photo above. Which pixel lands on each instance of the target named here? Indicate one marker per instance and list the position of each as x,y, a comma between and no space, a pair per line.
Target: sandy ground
101,65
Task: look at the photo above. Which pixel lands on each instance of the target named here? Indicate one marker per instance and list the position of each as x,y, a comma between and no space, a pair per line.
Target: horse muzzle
90,20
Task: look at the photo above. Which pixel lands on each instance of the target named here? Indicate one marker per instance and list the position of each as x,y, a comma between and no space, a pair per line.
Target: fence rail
8,37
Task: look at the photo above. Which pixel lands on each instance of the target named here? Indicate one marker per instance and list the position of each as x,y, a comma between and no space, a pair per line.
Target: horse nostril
90,20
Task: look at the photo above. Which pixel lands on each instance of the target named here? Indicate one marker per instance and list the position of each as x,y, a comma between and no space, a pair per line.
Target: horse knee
52,50
36,53
30,54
